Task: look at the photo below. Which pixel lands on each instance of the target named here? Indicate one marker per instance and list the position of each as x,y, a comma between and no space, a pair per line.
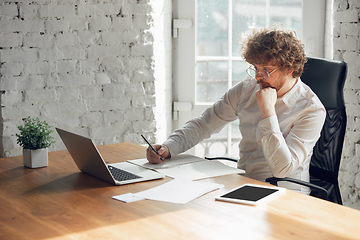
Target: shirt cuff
172,147
269,125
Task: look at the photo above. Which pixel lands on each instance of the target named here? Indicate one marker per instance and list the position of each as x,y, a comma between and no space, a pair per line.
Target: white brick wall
346,47
86,66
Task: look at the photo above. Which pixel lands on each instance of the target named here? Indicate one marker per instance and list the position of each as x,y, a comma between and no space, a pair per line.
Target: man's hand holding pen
153,157
156,153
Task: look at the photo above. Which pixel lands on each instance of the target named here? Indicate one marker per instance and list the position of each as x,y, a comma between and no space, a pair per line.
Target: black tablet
251,194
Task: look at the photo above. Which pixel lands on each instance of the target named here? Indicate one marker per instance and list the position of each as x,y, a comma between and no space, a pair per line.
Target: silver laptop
89,160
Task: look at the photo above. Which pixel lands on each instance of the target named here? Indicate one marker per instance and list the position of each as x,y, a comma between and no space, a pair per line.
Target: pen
152,147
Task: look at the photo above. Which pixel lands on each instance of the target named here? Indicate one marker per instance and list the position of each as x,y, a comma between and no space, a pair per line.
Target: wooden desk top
59,202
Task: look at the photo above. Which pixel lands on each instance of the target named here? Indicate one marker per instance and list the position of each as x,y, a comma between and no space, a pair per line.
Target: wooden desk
59,202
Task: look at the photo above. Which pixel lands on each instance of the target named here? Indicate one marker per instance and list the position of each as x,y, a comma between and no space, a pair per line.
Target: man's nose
258,76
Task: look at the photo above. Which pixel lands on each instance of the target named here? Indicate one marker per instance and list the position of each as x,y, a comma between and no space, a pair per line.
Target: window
207,59
220,27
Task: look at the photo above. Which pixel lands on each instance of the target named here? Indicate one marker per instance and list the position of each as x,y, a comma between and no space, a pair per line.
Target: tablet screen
250,193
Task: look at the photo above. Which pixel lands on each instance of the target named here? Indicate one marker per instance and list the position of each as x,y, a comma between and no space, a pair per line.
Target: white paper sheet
178,191
127,198
200,170
168,163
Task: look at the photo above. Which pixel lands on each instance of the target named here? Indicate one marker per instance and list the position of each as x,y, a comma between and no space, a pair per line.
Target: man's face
276,78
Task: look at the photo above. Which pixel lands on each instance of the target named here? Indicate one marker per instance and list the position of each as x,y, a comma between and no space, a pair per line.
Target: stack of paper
183,168
176,191
178,160
189,167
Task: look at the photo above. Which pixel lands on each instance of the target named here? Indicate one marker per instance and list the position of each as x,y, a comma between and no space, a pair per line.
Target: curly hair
275,47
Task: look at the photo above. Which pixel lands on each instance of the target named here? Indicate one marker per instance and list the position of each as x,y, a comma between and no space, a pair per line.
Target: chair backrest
326,78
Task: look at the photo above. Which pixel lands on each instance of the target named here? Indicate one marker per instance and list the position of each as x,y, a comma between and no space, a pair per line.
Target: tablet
251,194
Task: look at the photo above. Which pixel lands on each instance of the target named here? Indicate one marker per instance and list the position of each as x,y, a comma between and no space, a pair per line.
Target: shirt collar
291,96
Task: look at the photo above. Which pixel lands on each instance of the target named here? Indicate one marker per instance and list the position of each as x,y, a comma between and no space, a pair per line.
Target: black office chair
326,78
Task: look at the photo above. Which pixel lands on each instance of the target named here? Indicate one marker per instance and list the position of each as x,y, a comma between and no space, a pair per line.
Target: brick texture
85,66
346,47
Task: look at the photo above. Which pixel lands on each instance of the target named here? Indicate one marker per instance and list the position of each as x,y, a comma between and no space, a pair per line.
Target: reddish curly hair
275,47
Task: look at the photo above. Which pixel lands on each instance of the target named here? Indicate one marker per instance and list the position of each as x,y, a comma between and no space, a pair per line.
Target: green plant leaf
35,134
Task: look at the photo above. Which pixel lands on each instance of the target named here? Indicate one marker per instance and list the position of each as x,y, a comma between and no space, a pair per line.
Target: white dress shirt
279,146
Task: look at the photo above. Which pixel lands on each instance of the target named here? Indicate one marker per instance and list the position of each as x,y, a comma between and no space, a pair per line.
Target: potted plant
35,138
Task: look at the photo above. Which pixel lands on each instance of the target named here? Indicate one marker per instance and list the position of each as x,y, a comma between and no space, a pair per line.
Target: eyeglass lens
252,73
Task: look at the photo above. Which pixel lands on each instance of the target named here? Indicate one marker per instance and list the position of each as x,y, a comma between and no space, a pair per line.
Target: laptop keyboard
121,175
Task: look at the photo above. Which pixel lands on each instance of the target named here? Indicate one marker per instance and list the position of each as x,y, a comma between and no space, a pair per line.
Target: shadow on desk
44,180
71,183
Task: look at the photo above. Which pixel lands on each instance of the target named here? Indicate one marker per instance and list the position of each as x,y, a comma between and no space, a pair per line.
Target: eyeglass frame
258,71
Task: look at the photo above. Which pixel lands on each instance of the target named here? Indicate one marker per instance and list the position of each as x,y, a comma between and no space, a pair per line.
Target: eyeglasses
251,71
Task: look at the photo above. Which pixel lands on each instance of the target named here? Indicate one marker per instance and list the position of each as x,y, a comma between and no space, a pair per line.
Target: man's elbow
282,173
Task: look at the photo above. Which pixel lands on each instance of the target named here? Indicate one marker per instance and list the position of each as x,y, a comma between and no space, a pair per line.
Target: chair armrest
323,193
221,158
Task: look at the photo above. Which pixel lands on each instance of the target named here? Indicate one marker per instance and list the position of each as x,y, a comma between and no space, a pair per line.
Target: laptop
89,160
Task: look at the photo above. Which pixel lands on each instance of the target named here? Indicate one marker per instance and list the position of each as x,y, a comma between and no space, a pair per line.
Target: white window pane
211,80
239,71
212,28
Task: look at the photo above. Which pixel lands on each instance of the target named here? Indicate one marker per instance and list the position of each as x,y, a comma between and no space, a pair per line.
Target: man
280,117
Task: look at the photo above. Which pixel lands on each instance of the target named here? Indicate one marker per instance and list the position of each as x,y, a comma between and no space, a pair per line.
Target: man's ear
290,71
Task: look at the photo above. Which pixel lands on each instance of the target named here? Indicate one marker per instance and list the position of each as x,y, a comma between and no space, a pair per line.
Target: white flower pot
35,158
